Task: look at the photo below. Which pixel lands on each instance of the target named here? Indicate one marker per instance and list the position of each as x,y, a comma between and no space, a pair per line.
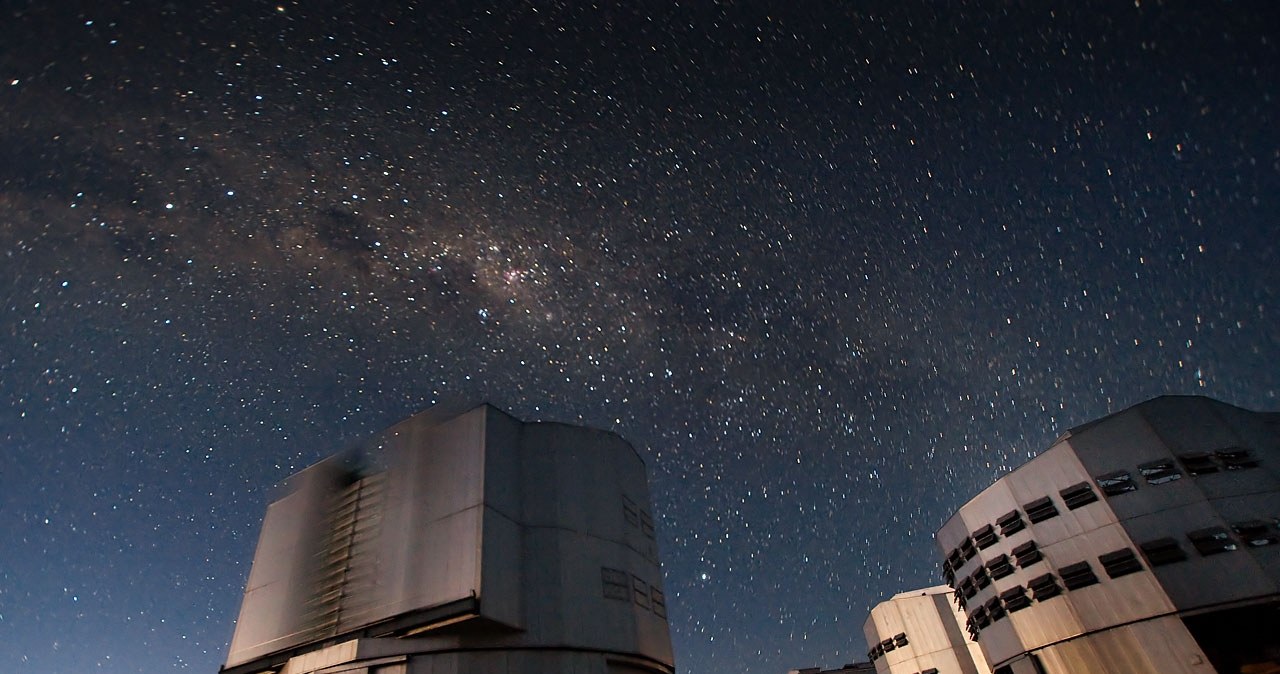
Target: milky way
831,270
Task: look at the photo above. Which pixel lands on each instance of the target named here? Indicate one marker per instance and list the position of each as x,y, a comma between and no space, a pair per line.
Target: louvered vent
345,581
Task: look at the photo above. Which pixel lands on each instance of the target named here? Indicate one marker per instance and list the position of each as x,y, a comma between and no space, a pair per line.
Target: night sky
831,268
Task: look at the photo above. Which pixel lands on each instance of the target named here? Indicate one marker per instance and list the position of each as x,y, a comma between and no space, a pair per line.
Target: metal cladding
527,544
1141,542
921,631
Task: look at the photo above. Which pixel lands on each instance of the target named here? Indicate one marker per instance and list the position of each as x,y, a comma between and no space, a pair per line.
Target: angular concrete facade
922,631
487,545
1144,542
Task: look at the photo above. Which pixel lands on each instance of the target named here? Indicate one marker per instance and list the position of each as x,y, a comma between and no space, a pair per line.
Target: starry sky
831,267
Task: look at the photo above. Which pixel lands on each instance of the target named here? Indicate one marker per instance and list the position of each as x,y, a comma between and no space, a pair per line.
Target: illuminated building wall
485,544
1141,542
921,632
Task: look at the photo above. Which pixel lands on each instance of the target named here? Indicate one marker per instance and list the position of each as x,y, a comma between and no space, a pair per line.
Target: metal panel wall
431,528
273,613
925,630
1168,506
544,530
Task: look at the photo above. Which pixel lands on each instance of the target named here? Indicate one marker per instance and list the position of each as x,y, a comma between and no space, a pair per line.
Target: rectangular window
948,573
1160,472
967,588
1255,533
1114,484
1212,541
1120,563
659,601
629,512
1078,575
1198,464
972,625
980,578
1027,554
967,550
1015,599
1236,458
615,584
980,617
646,524
985,537
994,609
1044,587
931,670
1040,510
954,559
960,600
1011,522
887,645
1078,495
1027,664
900,639
999,567
640,590
1163,551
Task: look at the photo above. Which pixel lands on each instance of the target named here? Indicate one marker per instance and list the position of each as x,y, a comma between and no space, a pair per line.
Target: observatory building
922,632
1139,543
484,544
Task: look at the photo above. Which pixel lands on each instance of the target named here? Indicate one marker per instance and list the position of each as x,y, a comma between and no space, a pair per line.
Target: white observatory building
486,544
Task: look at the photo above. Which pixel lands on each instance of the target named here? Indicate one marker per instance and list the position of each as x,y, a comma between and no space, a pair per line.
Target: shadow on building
483,544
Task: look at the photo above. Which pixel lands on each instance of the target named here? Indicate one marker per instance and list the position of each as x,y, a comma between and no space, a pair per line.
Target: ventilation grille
346,577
